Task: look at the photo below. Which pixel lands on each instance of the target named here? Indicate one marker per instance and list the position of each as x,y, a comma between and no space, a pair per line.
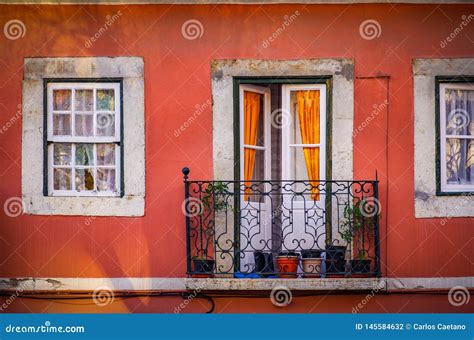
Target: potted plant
311,260
203,264
287,262
263,263
213,199
215,196
335,260
352,223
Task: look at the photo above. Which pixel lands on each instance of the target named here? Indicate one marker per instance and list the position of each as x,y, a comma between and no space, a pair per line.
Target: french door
299,155
255,161
303,164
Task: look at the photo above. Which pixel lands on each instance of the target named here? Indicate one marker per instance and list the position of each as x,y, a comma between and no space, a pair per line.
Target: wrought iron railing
281,228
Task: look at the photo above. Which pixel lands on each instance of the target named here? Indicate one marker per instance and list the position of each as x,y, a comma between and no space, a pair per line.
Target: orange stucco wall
177,78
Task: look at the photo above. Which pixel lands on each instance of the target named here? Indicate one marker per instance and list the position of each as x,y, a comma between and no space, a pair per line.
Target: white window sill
85,206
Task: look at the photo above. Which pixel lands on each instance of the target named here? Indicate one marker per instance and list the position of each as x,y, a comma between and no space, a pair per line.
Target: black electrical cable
186,295
121,296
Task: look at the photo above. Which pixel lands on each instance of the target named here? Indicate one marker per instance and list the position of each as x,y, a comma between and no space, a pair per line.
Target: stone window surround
427,203
342,73
342,112
131,71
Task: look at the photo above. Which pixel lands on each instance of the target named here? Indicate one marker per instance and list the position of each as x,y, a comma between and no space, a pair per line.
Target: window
443,117
283,132
255,151
83,139
456,143
304,134
282,143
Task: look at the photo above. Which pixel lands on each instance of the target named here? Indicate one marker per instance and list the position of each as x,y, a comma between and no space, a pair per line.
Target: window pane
105,100
61,100
105,179
253,118
84,125
298,164
459,161
301,159
84,154
84,100
62,124
258,174
105,154
259,166
459,112
62,179
84,179
62,154
295,135
305,117
105,125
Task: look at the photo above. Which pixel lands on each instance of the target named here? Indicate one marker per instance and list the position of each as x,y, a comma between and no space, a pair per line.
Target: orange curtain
251,119
309,118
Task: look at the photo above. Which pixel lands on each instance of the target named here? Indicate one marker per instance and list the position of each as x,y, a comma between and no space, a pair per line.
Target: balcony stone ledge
303,284
180,284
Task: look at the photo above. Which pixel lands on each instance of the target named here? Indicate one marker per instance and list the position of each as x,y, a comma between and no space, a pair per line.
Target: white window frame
445,187
286,131
74,140
266,127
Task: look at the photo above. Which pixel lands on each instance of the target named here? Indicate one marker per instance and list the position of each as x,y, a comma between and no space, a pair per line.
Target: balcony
281,229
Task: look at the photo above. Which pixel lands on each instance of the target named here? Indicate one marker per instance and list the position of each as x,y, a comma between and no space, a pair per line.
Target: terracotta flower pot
287,266
312,267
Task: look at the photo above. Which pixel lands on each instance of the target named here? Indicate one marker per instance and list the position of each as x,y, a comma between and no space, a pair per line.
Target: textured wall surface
178,86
